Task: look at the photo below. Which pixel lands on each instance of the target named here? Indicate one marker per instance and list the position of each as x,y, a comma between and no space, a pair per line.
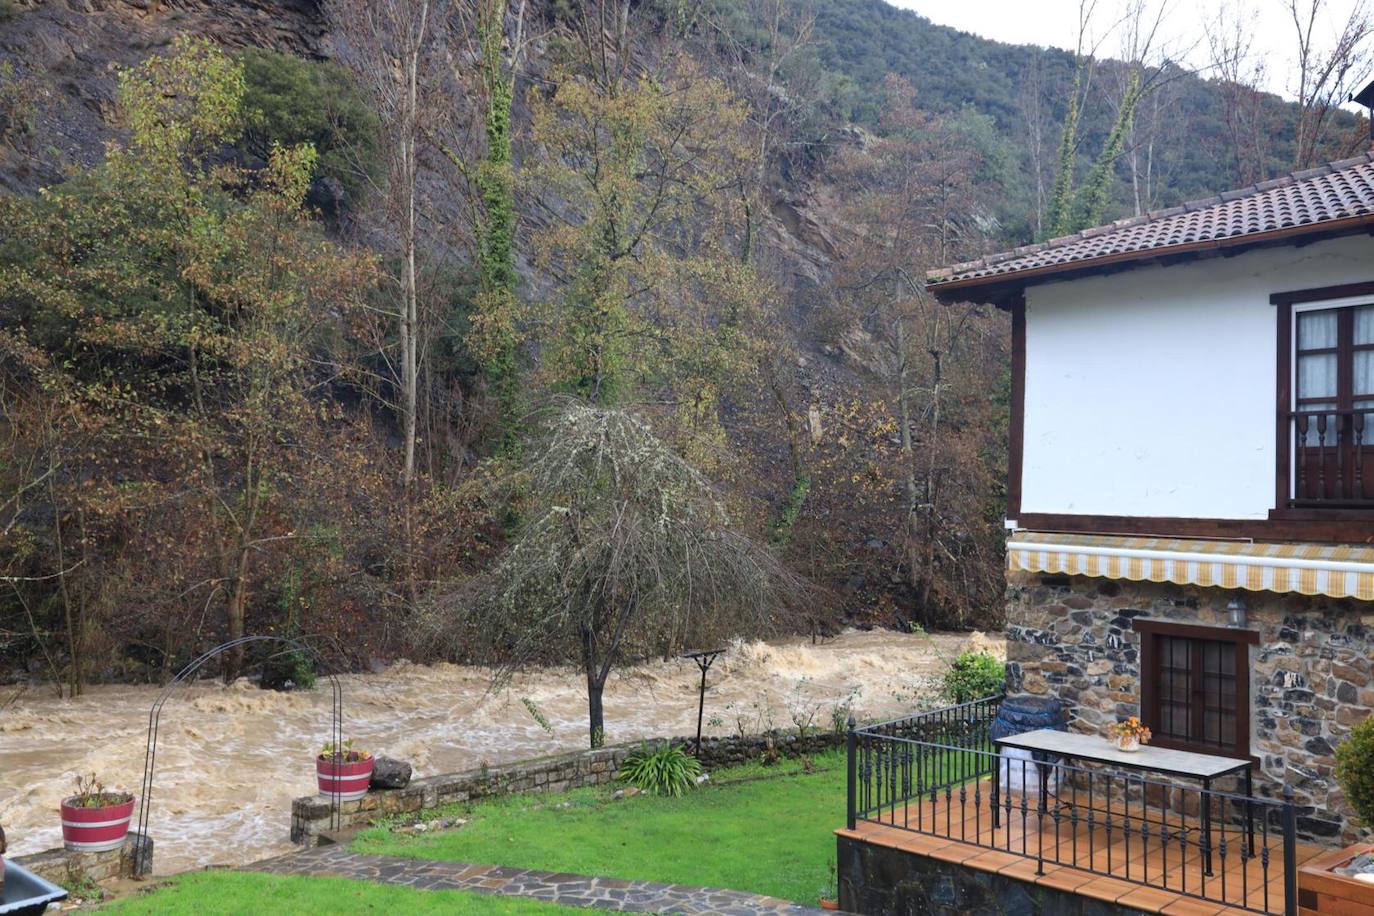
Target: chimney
1365,97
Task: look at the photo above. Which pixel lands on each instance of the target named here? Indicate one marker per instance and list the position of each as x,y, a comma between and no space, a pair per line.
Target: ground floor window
1195,686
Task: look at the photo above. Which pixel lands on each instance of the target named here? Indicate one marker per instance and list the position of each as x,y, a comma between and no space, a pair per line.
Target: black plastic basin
26,894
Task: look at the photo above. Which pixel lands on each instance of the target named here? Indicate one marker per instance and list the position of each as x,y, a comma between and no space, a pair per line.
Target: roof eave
997,289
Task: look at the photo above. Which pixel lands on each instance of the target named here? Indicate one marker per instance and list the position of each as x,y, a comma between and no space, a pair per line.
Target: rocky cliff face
71,51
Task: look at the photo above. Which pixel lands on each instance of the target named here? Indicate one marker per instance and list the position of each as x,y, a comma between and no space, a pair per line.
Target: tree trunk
596,718
238,600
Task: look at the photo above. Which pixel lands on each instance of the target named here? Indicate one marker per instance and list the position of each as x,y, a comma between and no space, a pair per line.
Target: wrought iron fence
938,774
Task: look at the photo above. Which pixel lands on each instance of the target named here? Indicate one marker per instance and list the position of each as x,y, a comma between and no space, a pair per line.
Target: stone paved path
568,890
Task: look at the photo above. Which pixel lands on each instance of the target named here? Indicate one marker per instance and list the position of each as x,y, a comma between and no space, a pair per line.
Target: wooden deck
1141,873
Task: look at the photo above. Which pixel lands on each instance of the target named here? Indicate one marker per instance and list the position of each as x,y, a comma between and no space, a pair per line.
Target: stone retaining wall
880,881
67,868
1311,679
310,815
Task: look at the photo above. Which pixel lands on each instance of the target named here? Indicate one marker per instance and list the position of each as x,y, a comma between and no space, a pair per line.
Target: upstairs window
1333,407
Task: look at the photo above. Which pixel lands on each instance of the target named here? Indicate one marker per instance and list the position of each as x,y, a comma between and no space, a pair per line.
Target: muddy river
231,758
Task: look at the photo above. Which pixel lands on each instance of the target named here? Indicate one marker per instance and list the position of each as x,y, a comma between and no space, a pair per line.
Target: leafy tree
288,101
634,176
495,332
172,306
627,552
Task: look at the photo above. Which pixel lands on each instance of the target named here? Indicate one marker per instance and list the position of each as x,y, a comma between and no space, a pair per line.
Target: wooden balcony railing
1333,459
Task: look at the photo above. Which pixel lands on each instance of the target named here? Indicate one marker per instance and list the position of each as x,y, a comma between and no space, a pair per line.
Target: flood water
231,758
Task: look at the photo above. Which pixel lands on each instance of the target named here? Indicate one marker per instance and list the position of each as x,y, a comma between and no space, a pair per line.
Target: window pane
1364,372
1312,421
1317,376
1228,730
1175,686
1364,324
1317,330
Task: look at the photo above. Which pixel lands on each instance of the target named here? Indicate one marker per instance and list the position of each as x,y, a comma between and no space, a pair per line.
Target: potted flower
830,894
343,771
1130,734
94,819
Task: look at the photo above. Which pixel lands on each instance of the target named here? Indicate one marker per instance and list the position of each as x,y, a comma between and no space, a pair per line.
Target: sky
1054,23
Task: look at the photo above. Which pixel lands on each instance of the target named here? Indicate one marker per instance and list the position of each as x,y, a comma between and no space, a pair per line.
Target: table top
1100,750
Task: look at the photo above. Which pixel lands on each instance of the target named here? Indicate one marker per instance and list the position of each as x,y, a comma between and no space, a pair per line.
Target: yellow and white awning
1308,569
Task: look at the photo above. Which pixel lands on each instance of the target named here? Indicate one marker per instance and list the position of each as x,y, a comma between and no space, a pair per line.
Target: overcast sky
1054,23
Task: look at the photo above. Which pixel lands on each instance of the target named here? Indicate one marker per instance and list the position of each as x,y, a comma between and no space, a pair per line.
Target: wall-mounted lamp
1237,608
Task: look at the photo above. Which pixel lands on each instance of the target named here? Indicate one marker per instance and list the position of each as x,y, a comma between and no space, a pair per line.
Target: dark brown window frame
1242,639
1284,397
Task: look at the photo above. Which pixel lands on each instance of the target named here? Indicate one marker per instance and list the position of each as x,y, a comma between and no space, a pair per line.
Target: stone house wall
1311,677
310,815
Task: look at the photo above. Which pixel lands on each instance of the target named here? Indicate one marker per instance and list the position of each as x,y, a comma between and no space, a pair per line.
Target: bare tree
628,551
1326,72
756,63
393,47
1036,119
396,50
1149,68
1241,70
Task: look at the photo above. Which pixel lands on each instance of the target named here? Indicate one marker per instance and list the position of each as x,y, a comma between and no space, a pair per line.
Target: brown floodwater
231,758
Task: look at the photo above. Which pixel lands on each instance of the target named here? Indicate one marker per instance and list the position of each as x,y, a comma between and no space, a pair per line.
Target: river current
231,758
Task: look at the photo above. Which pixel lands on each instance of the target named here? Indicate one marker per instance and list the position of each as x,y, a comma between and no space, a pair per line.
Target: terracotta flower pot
829,904
95,829
348,780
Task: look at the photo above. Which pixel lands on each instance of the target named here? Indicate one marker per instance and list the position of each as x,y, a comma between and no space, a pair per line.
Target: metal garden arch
184,675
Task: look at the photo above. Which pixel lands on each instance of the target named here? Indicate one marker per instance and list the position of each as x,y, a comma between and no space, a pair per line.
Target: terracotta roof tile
1312,197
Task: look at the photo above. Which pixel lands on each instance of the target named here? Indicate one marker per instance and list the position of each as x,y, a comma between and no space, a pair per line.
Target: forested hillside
336,320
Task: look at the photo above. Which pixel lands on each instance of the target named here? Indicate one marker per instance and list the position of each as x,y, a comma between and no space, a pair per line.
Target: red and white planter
345,780
95,829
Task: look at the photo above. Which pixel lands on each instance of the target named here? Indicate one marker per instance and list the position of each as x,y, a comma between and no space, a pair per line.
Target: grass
225,892
770,836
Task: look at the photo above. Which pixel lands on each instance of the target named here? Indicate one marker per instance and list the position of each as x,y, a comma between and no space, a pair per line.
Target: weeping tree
627,552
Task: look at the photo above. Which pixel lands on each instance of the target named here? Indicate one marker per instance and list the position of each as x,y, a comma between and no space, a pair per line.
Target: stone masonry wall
310,815
68,868
1311,678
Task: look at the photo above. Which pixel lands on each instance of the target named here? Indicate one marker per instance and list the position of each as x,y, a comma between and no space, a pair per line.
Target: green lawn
224,892
767,831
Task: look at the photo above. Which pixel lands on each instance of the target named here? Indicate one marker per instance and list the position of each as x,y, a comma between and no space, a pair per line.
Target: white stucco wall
1151,392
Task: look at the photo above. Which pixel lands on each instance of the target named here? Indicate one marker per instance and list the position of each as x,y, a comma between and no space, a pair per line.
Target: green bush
1355,770
663,770
289,101
972,676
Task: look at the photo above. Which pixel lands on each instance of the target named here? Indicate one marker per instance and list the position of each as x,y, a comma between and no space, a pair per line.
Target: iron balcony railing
933,774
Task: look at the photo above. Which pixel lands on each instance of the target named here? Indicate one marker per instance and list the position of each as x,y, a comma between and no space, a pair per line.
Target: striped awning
1308,569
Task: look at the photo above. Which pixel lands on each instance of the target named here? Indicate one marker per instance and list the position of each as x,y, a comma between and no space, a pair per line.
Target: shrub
1355,770
663,770
288,669
972,676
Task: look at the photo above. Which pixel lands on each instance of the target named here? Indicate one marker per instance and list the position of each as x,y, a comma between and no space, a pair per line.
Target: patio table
1181,764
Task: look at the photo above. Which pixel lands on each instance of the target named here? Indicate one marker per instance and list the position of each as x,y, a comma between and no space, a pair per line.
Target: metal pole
1290,853
850,780
701,701
704,661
